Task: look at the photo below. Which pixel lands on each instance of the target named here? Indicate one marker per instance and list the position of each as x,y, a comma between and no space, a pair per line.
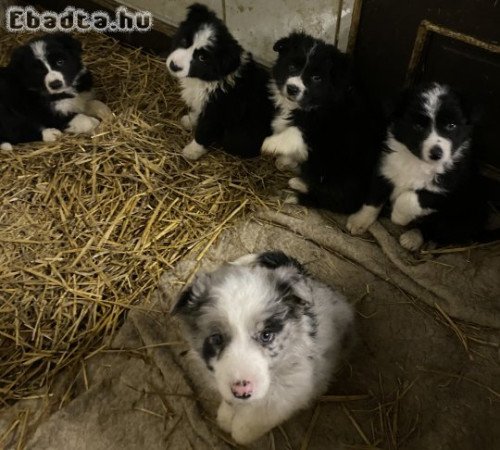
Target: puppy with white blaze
45,91
427,172
269,335
225,90
323,128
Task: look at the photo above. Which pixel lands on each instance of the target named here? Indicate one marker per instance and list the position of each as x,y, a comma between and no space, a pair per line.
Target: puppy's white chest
196,93
408,173
73,105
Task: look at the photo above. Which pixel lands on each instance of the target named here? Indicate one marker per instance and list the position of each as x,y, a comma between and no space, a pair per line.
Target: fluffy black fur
335,122
457,195
26,105
236,110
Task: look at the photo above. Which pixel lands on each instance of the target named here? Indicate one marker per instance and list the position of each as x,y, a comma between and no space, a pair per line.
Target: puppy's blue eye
216,339
451,126
265,337
316,78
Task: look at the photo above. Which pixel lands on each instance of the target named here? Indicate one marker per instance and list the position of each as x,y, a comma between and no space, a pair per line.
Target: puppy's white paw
270,145
291,199
51,134
411,240
225,415
245,431
98,109
193,151
6,146
299,185
186,122
82,124
359,222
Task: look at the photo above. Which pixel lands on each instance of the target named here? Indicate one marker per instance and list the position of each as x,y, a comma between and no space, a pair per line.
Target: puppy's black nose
292,90
174,67
436,153
56,84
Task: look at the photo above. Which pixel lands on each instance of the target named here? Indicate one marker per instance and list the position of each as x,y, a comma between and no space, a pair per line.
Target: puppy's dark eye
265,337
60,62
292,67
183,42
316,78
216,339
202,57
450,126
418,126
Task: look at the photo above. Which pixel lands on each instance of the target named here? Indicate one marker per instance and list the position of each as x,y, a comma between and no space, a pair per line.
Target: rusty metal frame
353,30
425,31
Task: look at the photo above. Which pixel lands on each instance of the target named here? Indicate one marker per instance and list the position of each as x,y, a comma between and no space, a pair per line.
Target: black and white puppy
46,90
225,90
427,172
322,127
269,337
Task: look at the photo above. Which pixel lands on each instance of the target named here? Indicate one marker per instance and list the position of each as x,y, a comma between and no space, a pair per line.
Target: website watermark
23,19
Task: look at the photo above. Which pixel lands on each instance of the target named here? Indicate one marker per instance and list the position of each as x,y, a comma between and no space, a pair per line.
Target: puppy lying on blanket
46,90
269,336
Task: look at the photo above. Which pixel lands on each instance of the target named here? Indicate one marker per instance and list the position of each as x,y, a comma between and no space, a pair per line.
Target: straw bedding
88,223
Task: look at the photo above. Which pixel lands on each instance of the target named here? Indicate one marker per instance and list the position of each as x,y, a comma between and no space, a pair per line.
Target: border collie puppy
322,127
46,90
427,173
269,336
226,92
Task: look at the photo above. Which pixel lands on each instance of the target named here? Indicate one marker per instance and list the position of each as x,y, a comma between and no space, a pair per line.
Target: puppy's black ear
229,58
340,71
192,297
275,258
18,57
199,12
281,45
68,41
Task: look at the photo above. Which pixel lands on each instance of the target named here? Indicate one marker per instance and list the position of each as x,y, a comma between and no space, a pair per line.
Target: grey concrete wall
257,24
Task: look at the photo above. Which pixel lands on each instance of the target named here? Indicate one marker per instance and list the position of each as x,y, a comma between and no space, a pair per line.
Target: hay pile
88,224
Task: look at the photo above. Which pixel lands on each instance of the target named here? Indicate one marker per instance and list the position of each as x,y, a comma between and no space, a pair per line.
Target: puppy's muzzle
174,67
242,389
292,90
436,153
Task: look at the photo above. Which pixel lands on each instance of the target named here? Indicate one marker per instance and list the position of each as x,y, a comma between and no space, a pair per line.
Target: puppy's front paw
400,218
225,416
98,109
299,185
359,222
51,134
193,151
82,124
6,146
411,240
245,431
271,145
186,122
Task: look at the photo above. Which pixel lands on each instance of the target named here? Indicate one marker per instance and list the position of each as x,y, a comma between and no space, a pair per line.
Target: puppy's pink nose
242,389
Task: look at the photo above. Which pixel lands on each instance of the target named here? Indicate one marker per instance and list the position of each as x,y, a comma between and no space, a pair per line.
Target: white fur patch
406,208
39,49
196,93
411,240
7,146
285,108
50,134
193,151
288,143
82,124
431,98
297,83
408,172
360,221
182,57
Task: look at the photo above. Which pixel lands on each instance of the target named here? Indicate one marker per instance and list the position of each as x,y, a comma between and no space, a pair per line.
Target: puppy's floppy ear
229,58
340,69
199,12
68,41
193,296
17,57
281,45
